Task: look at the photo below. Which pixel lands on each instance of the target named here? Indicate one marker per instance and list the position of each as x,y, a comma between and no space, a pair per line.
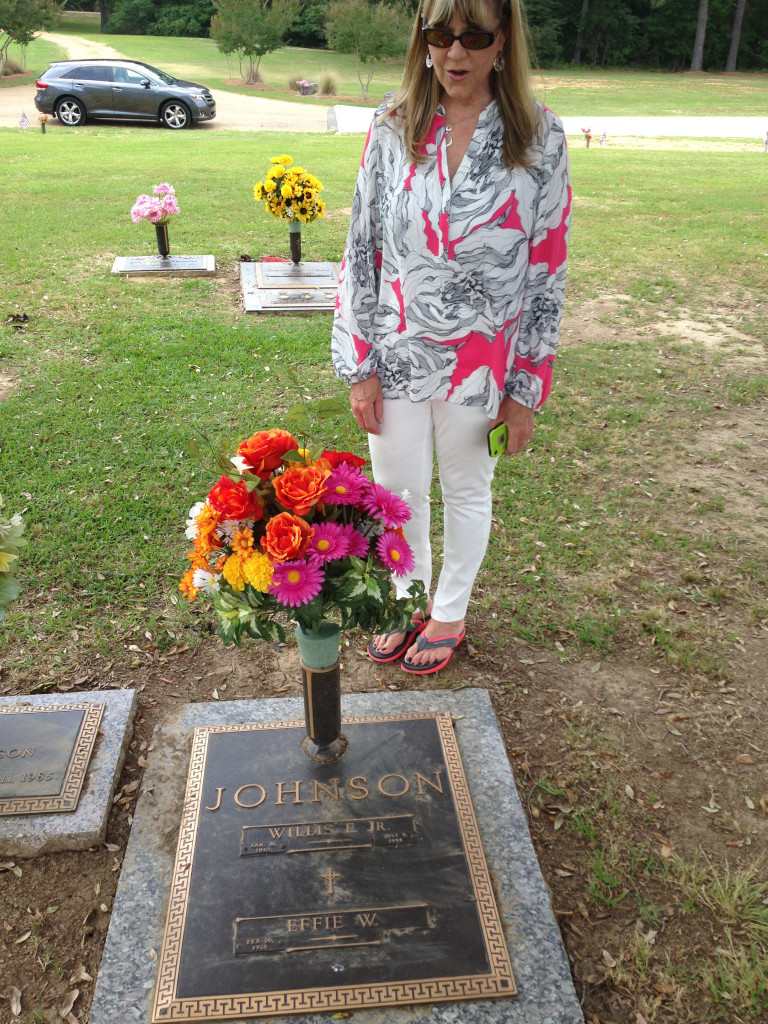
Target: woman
451,290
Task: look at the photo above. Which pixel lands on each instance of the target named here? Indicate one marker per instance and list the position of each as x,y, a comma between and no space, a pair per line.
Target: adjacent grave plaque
300,887
44,754
165,266
286,287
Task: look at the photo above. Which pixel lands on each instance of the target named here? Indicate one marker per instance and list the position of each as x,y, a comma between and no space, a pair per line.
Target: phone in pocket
497,440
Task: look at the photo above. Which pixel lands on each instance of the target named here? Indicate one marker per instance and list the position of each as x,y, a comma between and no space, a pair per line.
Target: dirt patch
727,466
674,762
7,386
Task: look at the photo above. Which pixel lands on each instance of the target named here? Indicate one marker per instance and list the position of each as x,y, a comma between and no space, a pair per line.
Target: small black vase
163,243
294,235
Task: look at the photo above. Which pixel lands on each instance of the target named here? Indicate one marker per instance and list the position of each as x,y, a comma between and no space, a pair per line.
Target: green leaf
298,414
293,456
9,588
328,407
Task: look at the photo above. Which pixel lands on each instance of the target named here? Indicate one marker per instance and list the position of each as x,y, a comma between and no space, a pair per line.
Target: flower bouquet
11,542
290,193
306,536
158,210
587,133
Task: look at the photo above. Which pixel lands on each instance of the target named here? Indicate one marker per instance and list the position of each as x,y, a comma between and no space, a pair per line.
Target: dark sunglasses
472,39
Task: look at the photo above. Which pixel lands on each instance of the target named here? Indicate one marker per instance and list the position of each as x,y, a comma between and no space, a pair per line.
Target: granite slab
545,990
29,835
165,266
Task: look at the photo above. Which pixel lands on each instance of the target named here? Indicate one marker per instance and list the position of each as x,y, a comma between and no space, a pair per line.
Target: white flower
191,524
226,531
206,581
239,463
406,496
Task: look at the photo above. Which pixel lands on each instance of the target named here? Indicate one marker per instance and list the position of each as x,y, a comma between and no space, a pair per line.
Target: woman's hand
367,403
519,419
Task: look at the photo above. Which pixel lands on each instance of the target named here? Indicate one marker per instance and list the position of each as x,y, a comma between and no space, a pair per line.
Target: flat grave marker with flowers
292,194
328,840
157,210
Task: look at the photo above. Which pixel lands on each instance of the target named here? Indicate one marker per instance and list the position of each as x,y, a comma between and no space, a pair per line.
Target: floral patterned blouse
453,289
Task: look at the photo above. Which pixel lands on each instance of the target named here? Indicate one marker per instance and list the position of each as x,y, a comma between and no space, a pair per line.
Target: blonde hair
418,97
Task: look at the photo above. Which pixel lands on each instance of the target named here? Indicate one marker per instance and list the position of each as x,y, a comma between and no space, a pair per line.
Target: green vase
321,682
319,648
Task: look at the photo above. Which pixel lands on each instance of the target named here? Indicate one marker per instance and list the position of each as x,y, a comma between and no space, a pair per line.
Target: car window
128,77
165,78
70,74
95,73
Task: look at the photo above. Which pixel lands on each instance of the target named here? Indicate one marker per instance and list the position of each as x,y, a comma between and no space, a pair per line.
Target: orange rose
286,537
300,488
264,452
232,500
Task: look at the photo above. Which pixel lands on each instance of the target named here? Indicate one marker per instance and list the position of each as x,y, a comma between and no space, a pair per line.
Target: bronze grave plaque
285,287
301,887
44,755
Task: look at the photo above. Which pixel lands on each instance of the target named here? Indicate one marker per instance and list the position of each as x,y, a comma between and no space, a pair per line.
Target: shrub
328,84
12,66
293,79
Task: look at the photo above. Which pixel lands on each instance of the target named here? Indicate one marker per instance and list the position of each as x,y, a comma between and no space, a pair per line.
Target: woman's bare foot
386,643
433,631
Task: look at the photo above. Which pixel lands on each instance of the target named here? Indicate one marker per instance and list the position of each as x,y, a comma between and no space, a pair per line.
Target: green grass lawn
116,376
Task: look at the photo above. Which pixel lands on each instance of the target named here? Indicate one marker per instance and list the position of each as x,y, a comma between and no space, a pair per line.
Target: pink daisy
395,553
345,486
329,540
296,583
383,504
358,545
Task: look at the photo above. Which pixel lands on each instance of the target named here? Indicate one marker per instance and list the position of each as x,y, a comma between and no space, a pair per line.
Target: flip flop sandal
425,644
416,627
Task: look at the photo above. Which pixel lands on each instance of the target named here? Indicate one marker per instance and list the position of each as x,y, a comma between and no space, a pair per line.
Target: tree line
674,35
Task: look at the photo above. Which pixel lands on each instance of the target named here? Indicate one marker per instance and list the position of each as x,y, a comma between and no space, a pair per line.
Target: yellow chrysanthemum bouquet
290,192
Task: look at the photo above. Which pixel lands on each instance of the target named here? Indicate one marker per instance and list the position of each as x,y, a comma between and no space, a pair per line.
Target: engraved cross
330,877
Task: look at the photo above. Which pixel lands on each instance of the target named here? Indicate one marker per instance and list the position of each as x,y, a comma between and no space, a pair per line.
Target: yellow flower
258,190
286,191
257,570
233,572
5,560
284,160
269,186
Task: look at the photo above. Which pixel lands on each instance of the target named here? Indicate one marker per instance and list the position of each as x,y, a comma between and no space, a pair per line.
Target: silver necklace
449,124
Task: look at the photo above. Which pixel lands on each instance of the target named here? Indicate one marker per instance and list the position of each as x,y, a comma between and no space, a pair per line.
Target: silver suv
127,90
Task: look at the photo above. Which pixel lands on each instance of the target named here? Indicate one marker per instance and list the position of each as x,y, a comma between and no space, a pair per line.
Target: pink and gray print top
453,289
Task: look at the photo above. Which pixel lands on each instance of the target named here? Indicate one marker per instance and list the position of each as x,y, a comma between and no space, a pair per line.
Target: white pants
401,457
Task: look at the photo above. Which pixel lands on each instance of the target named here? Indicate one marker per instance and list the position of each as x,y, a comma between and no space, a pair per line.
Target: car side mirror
146,83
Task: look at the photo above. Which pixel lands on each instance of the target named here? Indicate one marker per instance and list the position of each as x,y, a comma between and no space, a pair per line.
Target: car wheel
70,112
175,115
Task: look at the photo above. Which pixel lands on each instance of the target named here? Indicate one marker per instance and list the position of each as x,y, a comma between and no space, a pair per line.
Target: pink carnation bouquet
157,208
303,534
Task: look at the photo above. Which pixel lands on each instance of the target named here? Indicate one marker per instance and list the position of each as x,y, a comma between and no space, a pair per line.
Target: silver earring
428,61
498,64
